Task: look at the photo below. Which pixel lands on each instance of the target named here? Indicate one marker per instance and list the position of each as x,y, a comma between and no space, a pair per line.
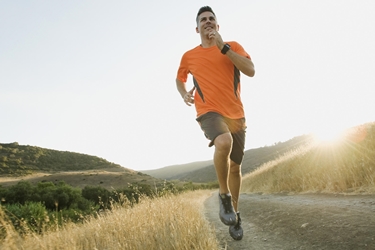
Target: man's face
206,23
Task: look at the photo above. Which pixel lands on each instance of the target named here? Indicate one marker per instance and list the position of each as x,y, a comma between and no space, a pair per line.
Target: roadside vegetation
31,210
45,204
344,165
167,222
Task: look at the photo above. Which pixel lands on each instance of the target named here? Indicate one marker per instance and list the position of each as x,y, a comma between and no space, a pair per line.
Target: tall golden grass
170,222
344,166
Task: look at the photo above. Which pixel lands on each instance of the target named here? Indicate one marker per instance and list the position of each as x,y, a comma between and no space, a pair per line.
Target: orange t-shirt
216,79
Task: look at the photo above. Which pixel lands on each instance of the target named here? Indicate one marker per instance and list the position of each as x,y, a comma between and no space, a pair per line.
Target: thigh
238,130
213,125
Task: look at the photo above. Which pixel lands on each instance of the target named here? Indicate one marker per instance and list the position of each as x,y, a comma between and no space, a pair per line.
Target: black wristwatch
225,49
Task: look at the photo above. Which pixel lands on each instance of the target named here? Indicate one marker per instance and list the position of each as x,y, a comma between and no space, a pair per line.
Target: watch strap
225,49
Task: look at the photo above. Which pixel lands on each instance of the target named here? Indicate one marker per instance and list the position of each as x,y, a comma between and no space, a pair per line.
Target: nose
207,23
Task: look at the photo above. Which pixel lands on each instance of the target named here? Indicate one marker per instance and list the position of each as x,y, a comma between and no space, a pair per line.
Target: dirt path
331,222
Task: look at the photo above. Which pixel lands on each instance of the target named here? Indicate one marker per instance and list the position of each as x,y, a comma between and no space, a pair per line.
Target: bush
33,215
60,196
98,195
19,193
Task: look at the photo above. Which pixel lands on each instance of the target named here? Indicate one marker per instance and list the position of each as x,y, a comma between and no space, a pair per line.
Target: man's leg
235,181
235,176
223,147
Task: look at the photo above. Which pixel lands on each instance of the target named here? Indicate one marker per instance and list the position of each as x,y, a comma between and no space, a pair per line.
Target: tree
19,193
98,195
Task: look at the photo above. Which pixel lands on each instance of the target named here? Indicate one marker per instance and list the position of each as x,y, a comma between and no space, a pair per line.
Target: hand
214,34
189,98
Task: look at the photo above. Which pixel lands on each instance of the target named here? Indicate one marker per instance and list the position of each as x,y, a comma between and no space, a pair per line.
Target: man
215,67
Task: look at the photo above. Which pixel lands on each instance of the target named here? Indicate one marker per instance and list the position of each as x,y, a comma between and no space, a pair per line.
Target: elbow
250,72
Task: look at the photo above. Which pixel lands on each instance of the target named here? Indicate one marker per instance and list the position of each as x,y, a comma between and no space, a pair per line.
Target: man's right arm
186,95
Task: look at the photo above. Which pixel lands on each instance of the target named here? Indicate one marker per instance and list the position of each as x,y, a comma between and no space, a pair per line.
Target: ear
218,27
197,30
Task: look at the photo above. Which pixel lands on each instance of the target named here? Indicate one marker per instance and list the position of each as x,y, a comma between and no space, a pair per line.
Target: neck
206,42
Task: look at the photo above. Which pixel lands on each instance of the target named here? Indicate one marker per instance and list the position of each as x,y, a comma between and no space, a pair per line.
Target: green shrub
31,215
98,195
19,193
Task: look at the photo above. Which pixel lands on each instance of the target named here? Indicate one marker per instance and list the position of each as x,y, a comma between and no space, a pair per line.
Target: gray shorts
214,124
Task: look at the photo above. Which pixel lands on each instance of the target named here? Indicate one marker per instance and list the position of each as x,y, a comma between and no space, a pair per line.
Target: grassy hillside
22,160
109,178
172,172
35,164
345,165
202,172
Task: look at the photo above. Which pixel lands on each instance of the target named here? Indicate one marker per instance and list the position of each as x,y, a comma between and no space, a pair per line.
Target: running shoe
226,213
236,231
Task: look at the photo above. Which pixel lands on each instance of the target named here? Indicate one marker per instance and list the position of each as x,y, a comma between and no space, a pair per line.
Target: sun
328,135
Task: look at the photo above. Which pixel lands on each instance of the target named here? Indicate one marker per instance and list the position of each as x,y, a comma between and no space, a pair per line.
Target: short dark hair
204,9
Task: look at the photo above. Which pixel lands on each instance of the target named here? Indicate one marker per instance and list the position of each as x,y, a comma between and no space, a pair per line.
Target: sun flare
328,135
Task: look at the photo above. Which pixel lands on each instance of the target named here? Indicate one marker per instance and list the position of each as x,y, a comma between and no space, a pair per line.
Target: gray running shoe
236,231
227,214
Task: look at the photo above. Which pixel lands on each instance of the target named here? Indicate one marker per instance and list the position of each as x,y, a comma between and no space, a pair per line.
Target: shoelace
237,226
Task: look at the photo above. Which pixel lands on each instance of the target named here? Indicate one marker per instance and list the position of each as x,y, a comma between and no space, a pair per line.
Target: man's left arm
244,64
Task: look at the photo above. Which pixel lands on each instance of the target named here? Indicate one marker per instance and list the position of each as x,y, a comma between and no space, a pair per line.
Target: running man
215,66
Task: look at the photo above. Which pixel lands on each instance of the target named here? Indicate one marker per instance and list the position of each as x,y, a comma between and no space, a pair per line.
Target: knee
235,169
224,142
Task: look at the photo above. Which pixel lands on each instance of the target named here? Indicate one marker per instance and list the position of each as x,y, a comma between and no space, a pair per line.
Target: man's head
206,20
204,9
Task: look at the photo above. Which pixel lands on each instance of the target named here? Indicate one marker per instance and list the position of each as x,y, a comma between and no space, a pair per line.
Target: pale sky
98,77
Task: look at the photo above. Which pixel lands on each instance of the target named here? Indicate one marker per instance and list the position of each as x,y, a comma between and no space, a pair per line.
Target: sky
98,77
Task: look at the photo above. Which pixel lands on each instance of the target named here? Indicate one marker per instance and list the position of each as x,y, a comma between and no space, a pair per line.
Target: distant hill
20,162
204,171
174,171
35,164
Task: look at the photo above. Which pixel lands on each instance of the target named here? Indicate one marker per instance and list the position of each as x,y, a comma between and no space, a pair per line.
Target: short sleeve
183,70
236,47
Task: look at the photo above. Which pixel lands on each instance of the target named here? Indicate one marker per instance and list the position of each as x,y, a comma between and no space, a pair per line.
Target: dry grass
346,166
170,222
